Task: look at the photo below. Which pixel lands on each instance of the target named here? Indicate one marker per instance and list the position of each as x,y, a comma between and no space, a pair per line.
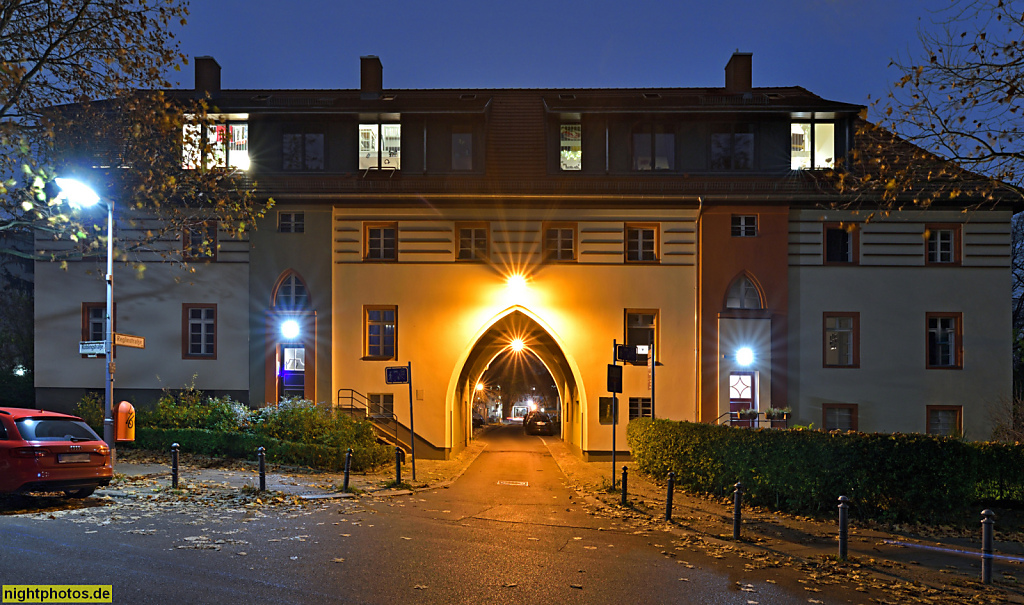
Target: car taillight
30,452
103,450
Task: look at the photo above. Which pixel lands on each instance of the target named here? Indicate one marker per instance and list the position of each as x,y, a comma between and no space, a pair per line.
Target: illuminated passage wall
587,274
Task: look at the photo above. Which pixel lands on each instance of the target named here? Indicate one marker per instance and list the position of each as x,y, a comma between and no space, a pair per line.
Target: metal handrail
357,402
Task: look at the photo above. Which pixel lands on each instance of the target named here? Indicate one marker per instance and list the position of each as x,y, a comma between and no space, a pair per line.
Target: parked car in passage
539,423
478,420
51,452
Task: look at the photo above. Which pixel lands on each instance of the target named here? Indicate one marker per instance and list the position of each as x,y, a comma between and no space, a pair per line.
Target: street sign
625,352
92,347
127,340
396,375
614,378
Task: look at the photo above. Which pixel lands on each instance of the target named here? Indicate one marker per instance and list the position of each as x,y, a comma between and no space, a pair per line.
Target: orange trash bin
125,424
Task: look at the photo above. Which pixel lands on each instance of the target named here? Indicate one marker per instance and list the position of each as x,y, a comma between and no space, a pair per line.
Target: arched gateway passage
515,327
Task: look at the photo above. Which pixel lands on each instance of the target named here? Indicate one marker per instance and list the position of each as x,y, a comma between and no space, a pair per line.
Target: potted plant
779,417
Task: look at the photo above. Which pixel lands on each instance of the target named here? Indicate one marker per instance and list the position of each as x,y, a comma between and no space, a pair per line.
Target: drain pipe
696,311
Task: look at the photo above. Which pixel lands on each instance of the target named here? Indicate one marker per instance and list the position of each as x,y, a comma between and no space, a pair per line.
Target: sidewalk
775,536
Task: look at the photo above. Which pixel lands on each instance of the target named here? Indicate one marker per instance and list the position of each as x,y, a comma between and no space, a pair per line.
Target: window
732,149
224,145
945,346
94,322
570,149
462,149
744,225
380,146
839,416
640,407
560,241
291,222
945,420
199,327
381,330
641,244
302,151
472,241
200,241
813,145
743,294
381,242
842,340
381,404
840,242
291,294
654,148
641,330
943,243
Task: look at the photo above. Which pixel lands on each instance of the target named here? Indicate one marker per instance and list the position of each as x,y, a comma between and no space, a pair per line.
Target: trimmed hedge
891,477
243,445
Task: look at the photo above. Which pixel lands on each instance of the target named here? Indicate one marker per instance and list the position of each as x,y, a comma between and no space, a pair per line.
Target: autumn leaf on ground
338,560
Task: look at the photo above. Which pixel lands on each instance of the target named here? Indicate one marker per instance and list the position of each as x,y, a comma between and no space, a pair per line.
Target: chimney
738,77
207,76
371,77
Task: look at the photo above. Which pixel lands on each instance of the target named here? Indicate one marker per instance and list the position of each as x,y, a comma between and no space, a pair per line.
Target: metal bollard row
348,466
174,465
668,498
844,522
261,454
737,503
987,526
399,461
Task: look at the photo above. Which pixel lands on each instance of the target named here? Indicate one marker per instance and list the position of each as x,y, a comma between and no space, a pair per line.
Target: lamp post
79,194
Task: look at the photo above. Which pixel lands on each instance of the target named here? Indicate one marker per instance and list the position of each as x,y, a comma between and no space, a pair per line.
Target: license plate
62,458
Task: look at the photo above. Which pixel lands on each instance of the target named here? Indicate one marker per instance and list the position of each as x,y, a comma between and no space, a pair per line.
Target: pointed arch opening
744,293
516,332
291,340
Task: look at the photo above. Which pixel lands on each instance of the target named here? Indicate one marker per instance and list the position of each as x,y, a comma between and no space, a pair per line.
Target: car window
3,431
54,429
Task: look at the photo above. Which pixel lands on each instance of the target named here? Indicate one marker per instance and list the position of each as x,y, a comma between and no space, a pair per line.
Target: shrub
90,409
892,477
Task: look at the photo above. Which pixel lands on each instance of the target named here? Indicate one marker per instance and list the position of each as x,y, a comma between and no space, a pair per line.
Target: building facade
439,228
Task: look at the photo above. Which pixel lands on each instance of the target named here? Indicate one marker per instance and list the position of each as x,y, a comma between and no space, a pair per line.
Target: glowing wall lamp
517,345
290,329
745,356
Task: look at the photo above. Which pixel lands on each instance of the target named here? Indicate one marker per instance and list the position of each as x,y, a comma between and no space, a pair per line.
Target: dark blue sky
838,49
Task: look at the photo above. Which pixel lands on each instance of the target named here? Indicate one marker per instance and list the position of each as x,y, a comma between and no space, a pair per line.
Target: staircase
385,423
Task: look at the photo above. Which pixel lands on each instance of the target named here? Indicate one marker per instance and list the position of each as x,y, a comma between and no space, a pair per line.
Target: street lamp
79,194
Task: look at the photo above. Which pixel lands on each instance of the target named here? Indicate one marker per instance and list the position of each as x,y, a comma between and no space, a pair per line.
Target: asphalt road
508,531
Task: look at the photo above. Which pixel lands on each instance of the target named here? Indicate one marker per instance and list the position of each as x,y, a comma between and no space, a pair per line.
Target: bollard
261,453
348,466
668,499
174,465
986,545
625,476
399,460
844,522
737,502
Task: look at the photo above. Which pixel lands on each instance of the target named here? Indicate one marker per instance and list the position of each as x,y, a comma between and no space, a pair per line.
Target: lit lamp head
745,356
479,386
290,329
517,345
76,193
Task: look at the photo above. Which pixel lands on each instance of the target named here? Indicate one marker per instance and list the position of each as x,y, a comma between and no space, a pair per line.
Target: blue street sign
396,375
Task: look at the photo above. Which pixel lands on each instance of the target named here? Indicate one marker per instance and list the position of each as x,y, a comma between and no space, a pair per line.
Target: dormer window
813,145
570,150
380,146
654,148
222,145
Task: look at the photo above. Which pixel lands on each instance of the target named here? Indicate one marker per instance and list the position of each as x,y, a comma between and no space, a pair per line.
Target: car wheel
85,492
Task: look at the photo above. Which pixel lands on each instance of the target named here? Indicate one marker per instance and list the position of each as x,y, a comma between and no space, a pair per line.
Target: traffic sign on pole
396,375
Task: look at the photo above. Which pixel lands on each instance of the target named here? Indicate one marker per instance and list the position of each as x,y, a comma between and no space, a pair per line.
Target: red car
51,452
